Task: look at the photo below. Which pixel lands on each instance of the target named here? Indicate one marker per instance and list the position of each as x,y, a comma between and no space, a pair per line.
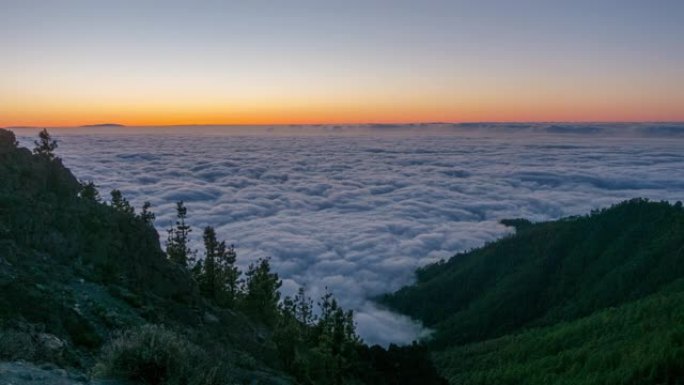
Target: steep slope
549,272
499,310
74,271
641,342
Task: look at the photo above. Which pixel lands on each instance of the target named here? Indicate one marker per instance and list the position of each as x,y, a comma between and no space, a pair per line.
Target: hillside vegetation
591,299
86,285
637,343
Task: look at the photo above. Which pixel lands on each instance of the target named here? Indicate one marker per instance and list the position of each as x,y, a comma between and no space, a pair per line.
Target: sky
69,62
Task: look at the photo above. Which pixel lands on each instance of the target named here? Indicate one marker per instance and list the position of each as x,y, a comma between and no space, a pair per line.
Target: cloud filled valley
358,213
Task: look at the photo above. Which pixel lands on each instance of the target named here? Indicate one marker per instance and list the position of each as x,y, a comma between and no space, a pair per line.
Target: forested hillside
591,299
641,342
85,285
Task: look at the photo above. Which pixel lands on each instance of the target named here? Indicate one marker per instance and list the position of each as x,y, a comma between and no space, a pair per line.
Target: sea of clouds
357,208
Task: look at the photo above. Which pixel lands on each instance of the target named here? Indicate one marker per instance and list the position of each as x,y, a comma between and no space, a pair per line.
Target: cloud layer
358,213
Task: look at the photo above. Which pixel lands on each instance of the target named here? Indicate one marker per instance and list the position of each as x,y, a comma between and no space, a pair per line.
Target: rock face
51,343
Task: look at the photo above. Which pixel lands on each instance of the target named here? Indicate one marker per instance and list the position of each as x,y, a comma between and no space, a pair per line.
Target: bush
155,355
33,346
16,345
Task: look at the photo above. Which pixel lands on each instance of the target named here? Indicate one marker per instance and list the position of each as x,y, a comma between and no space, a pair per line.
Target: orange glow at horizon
67,100
341,115
70,101
57,112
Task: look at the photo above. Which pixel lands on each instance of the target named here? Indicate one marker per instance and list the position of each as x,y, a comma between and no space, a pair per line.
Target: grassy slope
636,343
558,279
549,272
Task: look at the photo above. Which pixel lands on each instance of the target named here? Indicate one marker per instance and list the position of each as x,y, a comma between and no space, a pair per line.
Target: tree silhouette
217,274
209,276
177,243
146,215
120,203
89,191
229,272
261,291
45,145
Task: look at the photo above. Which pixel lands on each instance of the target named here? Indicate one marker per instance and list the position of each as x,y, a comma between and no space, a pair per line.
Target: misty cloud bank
358,214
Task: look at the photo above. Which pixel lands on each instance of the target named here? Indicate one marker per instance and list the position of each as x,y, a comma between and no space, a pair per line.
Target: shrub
32,346
155,355
16,345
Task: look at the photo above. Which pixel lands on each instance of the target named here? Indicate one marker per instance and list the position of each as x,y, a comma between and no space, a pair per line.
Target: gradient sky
143,62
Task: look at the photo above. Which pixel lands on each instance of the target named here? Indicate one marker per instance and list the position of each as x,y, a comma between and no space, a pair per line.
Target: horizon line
124,125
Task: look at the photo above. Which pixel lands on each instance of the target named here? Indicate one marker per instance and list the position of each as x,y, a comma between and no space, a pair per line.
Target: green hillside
637,343
75,272
85,285
600,282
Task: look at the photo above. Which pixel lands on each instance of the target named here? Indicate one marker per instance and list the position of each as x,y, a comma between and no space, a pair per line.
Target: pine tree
209,274
229,273
218,275
177,247
45,145
89,191
303,308
292,334
120,203
146,215
335,322
337,339
261,291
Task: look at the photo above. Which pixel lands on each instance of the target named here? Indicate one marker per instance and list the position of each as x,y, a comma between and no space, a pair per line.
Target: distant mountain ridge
103,125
